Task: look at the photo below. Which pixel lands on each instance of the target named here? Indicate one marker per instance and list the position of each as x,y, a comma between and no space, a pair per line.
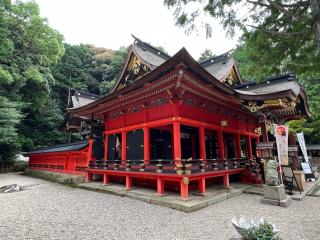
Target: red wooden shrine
170,122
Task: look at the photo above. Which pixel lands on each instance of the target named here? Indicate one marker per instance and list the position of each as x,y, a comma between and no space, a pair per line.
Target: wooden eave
287,94
181,58
124,67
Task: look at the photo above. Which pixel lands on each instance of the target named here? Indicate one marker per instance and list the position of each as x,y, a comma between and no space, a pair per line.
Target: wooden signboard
307,170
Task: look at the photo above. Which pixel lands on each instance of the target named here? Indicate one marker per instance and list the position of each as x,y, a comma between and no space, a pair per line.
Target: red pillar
176,142
90,150
238,146
221,145
105,179
202,185
249,147
124,147
128,182
202,143
226,182
106,147
89,177
160,186
184,190
146,144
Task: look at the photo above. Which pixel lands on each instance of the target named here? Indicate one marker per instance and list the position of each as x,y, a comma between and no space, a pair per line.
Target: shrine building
172,123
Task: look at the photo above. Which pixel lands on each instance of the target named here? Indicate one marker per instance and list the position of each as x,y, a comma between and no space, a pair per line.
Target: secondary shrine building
174,123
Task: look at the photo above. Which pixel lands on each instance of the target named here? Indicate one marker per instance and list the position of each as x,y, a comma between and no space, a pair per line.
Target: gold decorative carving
186,180
134,65
278,103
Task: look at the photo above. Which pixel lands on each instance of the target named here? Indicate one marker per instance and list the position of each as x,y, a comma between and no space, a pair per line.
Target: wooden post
90,150
89,177
250,156
176,142
221,145
105,179
160,186
106,148
146,145
235,146
258,151
184,190
202,185
238,146
202,142
264,132
128,183
124,147
226,182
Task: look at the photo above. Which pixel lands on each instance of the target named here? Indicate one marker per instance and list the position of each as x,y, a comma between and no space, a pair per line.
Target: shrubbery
264,231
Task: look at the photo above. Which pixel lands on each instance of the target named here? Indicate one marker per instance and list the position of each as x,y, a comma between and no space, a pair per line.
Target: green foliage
284,18
263,232
41,128
113,69
28,46
300,125
205,55
9,118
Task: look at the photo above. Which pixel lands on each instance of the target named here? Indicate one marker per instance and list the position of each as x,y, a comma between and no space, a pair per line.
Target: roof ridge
61,145
88,94
215,58
288,76
137,41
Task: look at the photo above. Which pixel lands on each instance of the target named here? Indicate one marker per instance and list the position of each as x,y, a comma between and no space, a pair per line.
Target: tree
28,47
278,36
205,55
41,128
275,17
9,117
113,69
256,65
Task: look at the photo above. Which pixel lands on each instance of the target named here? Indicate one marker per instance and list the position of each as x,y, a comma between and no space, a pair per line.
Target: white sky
106,23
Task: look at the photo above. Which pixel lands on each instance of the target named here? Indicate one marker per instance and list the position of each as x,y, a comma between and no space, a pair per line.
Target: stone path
48,210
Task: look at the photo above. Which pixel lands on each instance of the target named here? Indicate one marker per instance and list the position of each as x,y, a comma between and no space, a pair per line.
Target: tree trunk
315,10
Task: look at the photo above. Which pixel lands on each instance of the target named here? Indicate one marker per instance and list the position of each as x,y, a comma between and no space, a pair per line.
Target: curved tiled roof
62,148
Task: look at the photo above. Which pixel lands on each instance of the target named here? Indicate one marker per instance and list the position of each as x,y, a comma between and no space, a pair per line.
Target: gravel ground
47,210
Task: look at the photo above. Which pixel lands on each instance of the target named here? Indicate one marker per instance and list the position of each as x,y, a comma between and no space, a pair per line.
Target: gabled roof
145,64
271,88
147,55
221,67
79,98
181,58
283,86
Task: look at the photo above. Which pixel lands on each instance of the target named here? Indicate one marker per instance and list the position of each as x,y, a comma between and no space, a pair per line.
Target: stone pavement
51,211
214,194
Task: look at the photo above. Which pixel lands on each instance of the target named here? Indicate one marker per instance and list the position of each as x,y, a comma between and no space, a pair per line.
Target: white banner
303,147
281,135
